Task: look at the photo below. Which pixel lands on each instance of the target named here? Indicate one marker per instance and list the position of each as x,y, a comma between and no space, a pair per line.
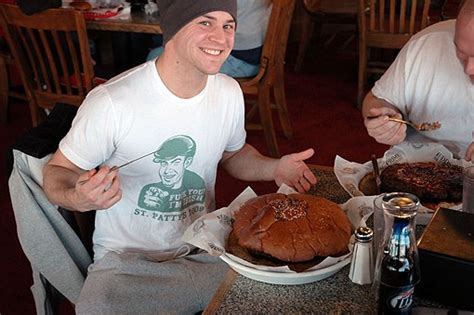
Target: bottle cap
401,204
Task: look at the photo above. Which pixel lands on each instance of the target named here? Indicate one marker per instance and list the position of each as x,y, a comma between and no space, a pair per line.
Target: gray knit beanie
174,14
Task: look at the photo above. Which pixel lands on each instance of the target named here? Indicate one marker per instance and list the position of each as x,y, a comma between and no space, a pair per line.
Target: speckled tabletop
333,295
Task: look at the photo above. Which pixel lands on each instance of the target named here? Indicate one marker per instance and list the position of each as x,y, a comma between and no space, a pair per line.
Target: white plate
285,278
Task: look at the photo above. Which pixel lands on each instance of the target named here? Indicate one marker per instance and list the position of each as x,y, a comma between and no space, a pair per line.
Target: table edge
220,293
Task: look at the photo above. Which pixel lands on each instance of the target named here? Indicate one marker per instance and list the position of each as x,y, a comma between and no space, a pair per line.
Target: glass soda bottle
399,268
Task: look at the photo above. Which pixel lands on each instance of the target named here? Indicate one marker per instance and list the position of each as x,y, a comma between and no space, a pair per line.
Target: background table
139,22
100,29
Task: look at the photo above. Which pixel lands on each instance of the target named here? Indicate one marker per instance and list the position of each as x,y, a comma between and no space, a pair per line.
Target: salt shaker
362,264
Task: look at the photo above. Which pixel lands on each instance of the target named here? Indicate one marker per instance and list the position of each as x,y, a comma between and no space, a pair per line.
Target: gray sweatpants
132,284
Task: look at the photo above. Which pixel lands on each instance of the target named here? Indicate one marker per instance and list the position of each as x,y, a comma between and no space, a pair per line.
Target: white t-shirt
427,83
252,23
134,114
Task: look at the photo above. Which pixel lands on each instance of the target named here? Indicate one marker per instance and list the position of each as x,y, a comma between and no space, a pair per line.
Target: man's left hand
293,171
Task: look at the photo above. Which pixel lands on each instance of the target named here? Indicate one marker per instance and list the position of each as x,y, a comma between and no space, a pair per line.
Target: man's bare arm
248,164
71,187
373,104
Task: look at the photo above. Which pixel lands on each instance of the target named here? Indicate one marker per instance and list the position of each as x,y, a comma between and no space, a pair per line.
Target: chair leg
307,26
361,82
266,120
3,91
280,100
37,114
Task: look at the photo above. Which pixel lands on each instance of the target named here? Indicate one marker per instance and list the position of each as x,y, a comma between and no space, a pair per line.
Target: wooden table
139,22
334,295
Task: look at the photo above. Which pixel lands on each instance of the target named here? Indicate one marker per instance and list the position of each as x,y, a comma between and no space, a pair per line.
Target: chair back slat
62,60
411,26
395,16
51,65
75,63
43,80
391,27
381,16
401,20
52,52
425,14
31,72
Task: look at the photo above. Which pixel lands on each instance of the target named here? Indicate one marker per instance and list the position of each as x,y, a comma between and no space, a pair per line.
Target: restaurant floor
321,104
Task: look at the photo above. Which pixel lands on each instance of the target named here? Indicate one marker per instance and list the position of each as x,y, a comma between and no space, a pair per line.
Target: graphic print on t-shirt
178,189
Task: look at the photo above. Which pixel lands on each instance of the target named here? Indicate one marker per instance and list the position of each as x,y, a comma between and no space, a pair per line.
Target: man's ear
188,161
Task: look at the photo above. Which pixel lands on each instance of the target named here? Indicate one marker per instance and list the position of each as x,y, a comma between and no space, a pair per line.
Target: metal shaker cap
364,234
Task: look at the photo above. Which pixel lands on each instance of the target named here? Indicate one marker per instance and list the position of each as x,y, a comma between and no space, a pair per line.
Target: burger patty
429,181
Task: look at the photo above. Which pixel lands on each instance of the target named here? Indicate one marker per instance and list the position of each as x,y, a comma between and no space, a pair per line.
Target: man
431,80
178,101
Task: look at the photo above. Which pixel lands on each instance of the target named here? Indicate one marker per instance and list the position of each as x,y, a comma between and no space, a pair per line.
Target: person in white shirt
187,120
431,80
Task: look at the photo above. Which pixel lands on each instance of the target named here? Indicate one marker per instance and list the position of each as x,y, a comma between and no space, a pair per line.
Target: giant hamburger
291,228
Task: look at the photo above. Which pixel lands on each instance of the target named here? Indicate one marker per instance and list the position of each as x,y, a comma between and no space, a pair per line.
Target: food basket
211,231
349,174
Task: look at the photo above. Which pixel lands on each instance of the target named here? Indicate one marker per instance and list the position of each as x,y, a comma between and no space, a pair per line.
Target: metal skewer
113,168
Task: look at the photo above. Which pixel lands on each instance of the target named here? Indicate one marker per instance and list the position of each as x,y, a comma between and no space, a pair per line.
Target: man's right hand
383,130
70,187
376,112
97,189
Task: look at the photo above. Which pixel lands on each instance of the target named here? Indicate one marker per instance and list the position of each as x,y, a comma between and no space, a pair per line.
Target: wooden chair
51,50
387,24
269,80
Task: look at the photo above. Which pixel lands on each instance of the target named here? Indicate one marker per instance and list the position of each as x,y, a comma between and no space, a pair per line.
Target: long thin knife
123,165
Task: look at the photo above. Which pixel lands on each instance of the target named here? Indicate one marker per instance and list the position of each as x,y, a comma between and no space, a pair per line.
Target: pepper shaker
362,264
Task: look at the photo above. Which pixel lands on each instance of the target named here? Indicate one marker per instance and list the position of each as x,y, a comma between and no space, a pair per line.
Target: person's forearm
249,165
59,184
371,101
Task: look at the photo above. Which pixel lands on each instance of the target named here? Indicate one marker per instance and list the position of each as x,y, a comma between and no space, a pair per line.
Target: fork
420,127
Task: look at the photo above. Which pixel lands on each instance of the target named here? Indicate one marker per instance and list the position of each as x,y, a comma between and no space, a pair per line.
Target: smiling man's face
205,42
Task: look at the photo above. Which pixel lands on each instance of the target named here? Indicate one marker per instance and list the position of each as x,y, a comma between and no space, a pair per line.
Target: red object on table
91,15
